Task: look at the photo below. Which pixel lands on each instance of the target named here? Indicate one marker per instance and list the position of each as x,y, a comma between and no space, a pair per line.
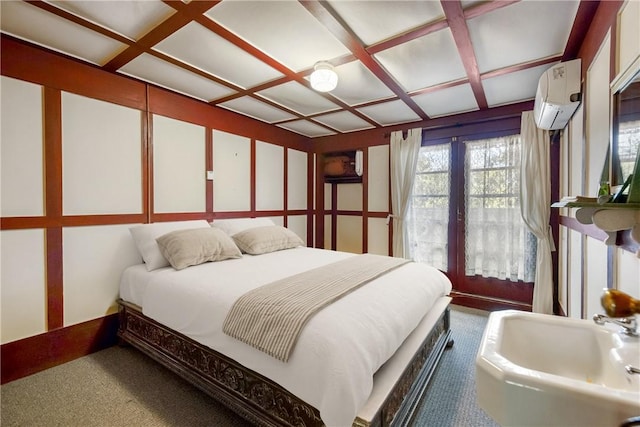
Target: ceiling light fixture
323,78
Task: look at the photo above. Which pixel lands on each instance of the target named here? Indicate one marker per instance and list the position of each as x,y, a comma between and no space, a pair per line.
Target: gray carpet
121,387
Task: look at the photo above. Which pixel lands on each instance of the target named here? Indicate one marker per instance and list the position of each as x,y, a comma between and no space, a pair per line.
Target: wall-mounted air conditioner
558,95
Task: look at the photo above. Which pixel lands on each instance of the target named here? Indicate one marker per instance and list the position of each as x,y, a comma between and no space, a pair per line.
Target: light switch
209,175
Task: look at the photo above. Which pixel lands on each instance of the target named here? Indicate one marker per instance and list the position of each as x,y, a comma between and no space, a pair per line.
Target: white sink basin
535,369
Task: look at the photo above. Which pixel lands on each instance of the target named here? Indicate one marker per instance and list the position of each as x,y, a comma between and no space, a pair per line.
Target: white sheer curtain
404,157
535,205
497,243
428,217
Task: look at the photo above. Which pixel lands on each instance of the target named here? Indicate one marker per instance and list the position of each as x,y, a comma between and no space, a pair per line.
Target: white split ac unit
558,95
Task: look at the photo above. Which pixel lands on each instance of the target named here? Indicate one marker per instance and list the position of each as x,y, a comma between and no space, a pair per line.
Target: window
465,216
430,206
497,242
628,145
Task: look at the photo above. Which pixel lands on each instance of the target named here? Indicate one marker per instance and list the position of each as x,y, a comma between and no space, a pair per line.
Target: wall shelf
608,217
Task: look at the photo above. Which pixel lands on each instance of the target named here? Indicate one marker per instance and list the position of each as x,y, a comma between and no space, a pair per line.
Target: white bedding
338,351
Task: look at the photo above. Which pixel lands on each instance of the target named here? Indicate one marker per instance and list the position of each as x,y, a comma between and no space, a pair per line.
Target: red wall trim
34,354
170,104
587,229
365,201
285,186
58,73
208,167
24,61
52,100
253,180
486,303
623,238
375,137
54,279
604,19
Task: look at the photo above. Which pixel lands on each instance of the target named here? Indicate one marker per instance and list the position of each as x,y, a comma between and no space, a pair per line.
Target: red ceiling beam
486,7
80,21
416,33
581,23
185,13
521,67
327,16
458,25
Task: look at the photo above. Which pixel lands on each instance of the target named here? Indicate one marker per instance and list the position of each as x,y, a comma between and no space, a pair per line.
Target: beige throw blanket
271,317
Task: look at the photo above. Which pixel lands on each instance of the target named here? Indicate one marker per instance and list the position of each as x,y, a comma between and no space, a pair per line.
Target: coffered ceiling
397,61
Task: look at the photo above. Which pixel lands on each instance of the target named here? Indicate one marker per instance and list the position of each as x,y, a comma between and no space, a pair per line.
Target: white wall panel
350,197
576,156
179,178
313,185
277,220
298,224
101,156
563,250
94,258
574,274
629,34
378,175
269,176
21,171
327,196
22,284
378,236
595,275
349,237
627,277
232,172
598,118
296,179
327,231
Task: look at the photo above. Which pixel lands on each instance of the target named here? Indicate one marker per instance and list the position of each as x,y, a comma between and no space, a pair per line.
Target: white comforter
338,351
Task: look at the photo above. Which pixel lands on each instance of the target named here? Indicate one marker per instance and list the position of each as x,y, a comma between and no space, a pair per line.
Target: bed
363,360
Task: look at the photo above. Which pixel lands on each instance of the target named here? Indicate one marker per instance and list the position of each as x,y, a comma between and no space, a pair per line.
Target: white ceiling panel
390,113
298,98
467,3
453,100
424,62
357,85
255,57
374,21
513,87
537,29
152,69
197,46
307,128
266,24
344,121
259,110
132,19
35,25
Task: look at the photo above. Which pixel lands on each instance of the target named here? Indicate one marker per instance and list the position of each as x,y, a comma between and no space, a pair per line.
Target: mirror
625,142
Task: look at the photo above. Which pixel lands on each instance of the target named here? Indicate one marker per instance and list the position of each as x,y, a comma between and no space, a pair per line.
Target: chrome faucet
629,324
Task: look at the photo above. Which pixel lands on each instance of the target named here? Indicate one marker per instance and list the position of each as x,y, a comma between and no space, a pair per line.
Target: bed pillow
145,236
236,225
184,248
270,238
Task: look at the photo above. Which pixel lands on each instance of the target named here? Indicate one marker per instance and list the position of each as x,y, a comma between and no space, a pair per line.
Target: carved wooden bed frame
260,400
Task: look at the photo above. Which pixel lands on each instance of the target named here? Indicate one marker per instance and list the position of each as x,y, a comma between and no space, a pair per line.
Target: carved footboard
258,399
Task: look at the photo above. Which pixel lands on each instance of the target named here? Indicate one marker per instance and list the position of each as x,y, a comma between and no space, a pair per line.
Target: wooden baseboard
486,303
34,354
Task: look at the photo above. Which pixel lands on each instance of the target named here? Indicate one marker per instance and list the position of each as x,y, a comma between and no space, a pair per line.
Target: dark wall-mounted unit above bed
343,167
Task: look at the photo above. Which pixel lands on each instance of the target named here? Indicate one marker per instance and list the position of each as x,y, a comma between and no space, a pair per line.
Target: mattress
339,349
